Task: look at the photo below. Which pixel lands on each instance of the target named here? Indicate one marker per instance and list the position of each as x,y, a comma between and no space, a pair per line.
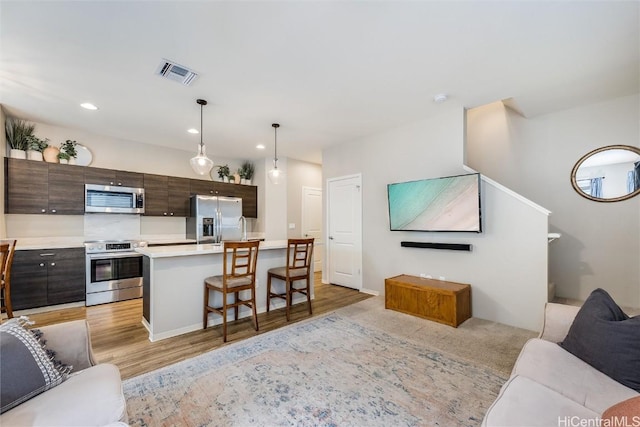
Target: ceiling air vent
176,72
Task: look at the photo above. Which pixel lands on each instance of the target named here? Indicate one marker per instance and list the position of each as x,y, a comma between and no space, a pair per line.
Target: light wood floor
118,337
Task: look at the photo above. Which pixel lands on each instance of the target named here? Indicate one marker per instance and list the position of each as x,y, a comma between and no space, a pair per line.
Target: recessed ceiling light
88,106
440,98
192,130
260,146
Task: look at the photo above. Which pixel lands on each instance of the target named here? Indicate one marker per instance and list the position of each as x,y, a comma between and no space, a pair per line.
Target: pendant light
201,164
275,174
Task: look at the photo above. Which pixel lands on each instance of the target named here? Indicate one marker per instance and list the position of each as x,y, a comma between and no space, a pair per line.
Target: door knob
330,237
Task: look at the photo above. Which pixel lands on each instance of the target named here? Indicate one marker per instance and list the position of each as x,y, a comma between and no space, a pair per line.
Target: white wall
275,202
507,268
600,243
300,174
3,154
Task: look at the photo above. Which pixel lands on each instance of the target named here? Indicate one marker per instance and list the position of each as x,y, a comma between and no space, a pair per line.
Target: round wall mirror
608,174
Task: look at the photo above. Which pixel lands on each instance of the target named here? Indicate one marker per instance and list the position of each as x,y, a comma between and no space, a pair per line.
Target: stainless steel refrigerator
215,218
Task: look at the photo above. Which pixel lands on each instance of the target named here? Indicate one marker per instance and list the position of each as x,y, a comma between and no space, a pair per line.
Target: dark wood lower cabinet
47,277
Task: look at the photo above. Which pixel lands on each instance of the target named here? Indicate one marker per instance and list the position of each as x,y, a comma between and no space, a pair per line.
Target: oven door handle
112,255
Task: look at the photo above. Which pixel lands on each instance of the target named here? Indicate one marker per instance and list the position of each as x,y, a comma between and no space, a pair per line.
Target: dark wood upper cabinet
199,186
249,196
179,192
100,176
129,179
166,195
26,186
66,189
34,187
156,195
113,177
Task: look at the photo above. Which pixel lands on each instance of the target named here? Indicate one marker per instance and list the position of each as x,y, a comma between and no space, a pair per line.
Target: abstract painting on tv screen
441,204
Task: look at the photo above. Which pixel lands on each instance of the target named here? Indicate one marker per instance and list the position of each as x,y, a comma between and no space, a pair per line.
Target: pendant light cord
201,143
275,150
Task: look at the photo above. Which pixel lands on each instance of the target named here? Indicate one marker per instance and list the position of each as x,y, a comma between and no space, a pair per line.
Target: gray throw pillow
26,368
607,339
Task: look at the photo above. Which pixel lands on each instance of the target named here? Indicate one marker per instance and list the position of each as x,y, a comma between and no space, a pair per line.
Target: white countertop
35,243
189,250
26,243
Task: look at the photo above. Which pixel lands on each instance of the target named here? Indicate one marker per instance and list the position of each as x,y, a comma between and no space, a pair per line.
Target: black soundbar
449,246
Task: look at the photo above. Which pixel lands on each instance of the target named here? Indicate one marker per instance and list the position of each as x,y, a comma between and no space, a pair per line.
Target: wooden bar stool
238,274
7,249
299,256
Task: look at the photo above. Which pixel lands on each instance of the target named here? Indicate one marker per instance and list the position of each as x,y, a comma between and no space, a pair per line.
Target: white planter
72,161
34,155
64,161
245,181
17,154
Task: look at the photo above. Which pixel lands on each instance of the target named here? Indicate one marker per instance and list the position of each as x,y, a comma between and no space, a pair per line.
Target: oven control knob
135,245
100,247
90,247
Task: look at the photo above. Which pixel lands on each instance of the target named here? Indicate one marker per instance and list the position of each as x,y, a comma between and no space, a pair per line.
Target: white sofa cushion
550,365
92,397
522,402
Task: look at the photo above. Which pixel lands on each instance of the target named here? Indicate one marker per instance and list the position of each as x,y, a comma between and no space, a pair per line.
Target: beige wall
507,268
600,243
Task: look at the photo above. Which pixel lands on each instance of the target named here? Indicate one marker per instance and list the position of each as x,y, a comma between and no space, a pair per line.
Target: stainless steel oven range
114,271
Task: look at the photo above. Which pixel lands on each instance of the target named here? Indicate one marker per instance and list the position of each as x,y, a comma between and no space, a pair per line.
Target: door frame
327,195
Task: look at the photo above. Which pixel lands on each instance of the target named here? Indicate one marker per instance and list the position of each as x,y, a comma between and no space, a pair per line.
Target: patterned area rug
328,371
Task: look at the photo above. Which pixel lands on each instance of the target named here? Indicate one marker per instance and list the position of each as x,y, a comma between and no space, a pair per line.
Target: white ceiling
327,71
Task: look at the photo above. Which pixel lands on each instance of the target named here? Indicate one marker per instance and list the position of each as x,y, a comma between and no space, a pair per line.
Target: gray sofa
550,386
91,396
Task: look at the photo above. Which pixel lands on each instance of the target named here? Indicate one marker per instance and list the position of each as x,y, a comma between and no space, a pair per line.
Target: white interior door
344,206
312,222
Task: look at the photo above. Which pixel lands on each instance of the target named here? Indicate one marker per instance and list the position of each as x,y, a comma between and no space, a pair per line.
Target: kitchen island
173,285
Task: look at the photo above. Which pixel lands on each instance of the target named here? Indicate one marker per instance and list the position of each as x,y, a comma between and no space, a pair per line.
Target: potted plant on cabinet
68,152
18,132
223,173
63,157
246,172
35,147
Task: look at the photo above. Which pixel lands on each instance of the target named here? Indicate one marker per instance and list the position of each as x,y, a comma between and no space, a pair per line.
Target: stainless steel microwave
113,199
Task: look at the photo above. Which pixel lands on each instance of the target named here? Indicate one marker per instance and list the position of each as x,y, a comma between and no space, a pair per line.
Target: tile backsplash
111,226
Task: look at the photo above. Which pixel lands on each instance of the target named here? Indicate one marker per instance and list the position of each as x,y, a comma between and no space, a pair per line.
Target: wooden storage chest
438,300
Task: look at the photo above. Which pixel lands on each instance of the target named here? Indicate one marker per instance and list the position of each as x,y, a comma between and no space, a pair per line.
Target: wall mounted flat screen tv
449,203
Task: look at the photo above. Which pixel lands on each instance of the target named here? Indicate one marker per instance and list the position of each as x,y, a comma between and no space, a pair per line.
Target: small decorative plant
223,171
18,132
69,148
63,156
246,170
37,144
